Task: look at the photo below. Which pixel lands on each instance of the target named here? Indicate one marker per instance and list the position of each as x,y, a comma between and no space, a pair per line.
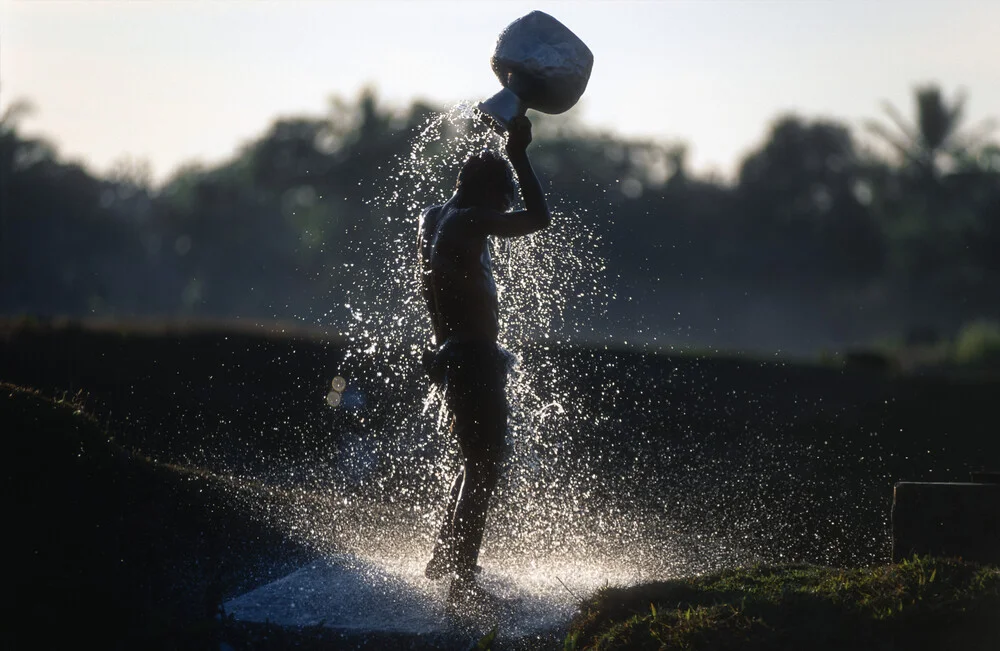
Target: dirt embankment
116,548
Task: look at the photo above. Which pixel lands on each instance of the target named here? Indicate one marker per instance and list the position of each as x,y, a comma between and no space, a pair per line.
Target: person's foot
438,567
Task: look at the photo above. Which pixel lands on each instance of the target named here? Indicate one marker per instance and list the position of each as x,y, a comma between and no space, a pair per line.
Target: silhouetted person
461,295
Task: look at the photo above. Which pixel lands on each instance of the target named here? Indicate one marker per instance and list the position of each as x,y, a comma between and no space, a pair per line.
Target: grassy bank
114,547
923,603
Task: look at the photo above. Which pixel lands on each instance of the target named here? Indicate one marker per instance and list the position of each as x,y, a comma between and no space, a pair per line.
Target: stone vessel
542,66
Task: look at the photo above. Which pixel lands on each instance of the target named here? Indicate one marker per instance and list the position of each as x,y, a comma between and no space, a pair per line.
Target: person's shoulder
429,215
451,216
430,210
468,221
473,213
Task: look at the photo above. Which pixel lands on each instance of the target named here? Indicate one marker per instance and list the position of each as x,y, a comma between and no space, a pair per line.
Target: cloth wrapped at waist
460,351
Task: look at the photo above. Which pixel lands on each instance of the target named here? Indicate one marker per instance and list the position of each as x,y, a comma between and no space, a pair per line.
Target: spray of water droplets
536,278
388,481
601,487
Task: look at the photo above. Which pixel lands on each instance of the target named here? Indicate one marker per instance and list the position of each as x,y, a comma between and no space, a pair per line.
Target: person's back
458,286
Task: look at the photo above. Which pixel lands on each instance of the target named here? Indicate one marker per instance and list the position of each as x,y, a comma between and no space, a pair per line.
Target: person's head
486,180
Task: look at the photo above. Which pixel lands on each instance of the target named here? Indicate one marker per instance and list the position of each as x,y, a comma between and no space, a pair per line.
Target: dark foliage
817,243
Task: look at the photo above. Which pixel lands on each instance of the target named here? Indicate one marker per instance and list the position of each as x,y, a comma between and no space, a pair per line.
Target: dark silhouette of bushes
818,242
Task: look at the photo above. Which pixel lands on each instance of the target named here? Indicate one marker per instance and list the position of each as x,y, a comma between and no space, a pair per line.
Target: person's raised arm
535,215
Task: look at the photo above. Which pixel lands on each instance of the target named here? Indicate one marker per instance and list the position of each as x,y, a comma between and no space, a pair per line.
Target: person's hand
518,135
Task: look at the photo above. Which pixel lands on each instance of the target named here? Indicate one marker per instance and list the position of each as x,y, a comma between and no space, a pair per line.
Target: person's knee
482,475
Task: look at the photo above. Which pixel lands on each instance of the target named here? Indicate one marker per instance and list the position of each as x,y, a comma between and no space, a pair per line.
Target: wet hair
487,178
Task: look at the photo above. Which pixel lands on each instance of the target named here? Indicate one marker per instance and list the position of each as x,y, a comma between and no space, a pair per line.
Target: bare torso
457,275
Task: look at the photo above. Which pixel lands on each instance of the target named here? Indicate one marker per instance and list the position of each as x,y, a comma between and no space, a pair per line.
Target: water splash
595,492
537,277
386,491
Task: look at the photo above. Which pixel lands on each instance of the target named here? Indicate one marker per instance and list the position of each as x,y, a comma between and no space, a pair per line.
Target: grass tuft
921,603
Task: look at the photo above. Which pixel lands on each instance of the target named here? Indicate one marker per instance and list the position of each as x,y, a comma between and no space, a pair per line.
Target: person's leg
482,471
442,560
481,429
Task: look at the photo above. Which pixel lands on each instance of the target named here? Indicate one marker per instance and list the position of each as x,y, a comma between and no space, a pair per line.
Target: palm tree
935,141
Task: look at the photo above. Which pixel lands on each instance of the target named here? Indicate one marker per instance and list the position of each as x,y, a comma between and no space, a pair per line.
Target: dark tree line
821,240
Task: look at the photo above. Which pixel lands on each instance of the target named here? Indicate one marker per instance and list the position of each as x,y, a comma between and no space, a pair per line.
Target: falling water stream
582,502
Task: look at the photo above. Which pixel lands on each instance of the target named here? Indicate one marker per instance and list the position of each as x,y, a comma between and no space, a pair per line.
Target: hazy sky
177,81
